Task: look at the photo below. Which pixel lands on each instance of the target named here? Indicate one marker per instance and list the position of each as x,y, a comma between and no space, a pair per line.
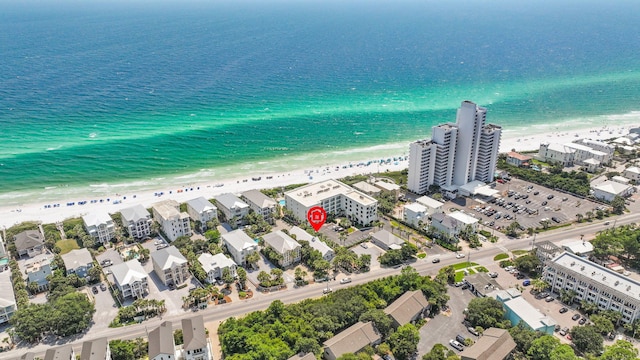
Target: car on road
549,299
459,255
456,345
345,280
327,290
493,275
582,320
103,287
473,331
575,317
94,289
436,260
563,310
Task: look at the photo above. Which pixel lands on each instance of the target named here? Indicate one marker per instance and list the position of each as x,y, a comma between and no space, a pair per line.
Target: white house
632,173
161,343
556,153
131,279
173,222
314,242
261,204
284,245
78,261
239,245
433,206
579,247
608,190
100,226
415,214
196,342
387,186
621,179
7,298
202,210
170,266
453,223
214,265
386,240
233,208
367,188
137,220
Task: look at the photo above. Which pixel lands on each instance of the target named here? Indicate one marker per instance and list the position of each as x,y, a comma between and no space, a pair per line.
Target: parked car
459,283
564,331
550,197
536,192
526,282
549,299
563,310
436,260
555,220
162,246
575,317
612,336
94,289
460,339
544,203
542,295
493,275
568,336
327,290
582,320
557,328
456,345
106,262
345,280
473,331
103,287
364,245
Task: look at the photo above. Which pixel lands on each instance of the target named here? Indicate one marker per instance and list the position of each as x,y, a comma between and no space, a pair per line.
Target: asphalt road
482,256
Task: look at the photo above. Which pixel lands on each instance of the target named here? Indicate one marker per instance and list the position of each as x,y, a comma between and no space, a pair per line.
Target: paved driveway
445,326
372,250
106,308
158,291
110,254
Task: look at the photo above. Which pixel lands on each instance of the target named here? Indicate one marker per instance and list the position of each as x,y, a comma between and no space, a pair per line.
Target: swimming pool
282,202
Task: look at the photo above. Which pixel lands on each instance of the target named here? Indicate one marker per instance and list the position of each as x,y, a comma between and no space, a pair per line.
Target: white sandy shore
11,215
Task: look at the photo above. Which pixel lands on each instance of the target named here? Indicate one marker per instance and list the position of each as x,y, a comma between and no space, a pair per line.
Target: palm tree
253,258
589,215
539,285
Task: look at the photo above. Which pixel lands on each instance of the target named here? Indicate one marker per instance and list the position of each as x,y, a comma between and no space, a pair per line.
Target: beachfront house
555,154
170,266
196,344
314,242
239,245
162,345
137,221
172,222
388,187
29,243
336,198
99,225
78,261
366,188
97,349
202,210
131,279
386,240
214,265
7,298
261,204
288,249
517,159
351,340
64,352
608,190
233,209
38,269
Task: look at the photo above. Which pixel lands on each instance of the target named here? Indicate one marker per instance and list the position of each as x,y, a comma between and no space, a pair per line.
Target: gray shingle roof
193,333
168,256
134,213
353,339
407,306
28,239
258,198
161,340
76,258
280,241
94,349
201,204
230,201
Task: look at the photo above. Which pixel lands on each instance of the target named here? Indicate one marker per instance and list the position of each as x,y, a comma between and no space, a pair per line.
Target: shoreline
118,196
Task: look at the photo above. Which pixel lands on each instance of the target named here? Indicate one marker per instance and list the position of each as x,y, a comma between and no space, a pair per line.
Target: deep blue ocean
141,92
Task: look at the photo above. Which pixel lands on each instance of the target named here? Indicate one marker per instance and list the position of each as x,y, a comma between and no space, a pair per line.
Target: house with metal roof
196,343
202,210
7,297
170,266
386,240
214,266
233,209
137,221
314,242
97,349
131,279
99,225
284,245
64,352
161,343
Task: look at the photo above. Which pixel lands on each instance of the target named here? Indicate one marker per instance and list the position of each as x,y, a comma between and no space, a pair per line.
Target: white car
456,345
459,256
327,290
345,280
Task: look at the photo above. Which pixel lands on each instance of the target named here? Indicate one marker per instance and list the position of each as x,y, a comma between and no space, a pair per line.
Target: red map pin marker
316,216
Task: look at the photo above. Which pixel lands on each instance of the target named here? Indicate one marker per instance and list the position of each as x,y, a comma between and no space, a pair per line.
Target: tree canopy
587,339
486,312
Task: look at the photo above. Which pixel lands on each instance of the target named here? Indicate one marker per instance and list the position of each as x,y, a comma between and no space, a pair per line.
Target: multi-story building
173,222
284,245
606,288
336,198
261,204
78,261
598,145
582,153
64,352
131,279
239,245
233,209
214,266
632,173
415,214
38,269
7,297
100,226
137,220
29,242
556,154
517,159
170,266
202,210
97,349
196,342
457,153
162,345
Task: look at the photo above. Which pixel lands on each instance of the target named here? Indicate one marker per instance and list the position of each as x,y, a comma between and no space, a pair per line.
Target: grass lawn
520,252
463,265
470,271
421,255
459,276
67,245
394,223
482,269
501,257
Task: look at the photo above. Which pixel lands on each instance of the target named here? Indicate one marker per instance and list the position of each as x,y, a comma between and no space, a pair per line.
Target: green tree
512,229
563,352
485,312
381,321
541,348
404,341
178,337
31,322
242,277
523,337
73,314
122,350
620,350
602,324
529,264
227,277
539,284
586,339
618,205
446,275
95,273
252,259
264,278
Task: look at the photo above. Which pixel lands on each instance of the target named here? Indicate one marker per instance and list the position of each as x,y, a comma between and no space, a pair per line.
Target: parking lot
106,308
372,250
529,205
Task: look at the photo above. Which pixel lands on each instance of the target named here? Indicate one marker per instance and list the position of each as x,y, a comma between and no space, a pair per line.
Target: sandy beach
41,212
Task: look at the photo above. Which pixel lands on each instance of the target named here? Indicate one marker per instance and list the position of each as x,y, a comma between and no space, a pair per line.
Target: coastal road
482,256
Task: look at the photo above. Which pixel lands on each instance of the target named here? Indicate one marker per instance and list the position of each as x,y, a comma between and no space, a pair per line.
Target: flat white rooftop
429,202
463,218
313,194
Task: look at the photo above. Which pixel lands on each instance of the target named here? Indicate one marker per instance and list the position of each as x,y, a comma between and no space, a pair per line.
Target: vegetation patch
481,269
463,265
459,276
421,255
67,245
520,252
500,257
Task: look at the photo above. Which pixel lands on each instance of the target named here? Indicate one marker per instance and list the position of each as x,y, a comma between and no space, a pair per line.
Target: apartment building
606,288
137,221
100,226
170,266
173,222
336,198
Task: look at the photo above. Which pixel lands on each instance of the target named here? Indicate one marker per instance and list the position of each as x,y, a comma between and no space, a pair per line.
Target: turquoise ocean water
135,95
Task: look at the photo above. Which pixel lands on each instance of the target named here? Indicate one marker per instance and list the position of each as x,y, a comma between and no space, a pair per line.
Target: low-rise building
97,349
78,261
64,352
351,340
99,225
579,247
170,266
433,206
137,221
196,342
173,222
202,210
495,344
285,246
38,269
597,145
7,297
632,173
452,224
481,284
386,240
621,179
583,152
131,279
415,214
214,265
233,209
409,307
591,282
162,346
239,245
518,310
261,204
389,187
303,356
314,242
367,188
517,159
556,154
29,243
608,190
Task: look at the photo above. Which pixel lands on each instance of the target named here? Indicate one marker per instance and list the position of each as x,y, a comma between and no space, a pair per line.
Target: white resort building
239,245
131,279
137,220
173,222
202,210
214,265
100,226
